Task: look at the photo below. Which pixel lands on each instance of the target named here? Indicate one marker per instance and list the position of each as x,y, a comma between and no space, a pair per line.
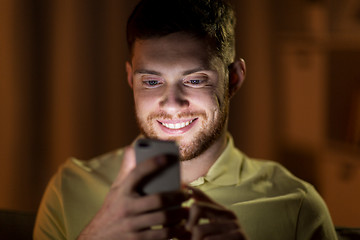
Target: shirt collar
226,169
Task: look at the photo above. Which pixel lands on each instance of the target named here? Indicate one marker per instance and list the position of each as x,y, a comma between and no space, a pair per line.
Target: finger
155,202
127,165
167,218
140,172
204,210
214,229
198,195
151,234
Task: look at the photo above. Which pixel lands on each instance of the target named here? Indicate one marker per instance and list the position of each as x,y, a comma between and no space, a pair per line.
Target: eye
195,83
152,83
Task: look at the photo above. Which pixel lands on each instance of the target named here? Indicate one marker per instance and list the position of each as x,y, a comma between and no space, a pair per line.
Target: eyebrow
187,72
146,71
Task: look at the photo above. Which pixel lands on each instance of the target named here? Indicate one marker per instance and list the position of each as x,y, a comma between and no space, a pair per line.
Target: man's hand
127,215
220,223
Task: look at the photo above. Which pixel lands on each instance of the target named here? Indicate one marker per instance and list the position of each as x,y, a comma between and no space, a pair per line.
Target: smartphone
166,179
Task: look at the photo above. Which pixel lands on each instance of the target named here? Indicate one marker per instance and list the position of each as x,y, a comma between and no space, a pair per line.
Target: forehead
177,49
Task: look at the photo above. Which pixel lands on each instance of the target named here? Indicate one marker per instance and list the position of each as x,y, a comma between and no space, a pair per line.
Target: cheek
142,102
207,100
145,102
212,96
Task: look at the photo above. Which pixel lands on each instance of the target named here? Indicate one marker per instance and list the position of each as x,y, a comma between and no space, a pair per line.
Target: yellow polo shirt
269,202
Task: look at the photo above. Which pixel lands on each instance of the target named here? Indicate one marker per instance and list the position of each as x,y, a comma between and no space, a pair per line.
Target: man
183,75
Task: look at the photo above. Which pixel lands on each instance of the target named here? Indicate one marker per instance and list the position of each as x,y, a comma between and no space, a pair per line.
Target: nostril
184,102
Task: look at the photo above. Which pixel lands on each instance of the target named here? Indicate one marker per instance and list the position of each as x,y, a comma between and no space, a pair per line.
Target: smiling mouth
178,125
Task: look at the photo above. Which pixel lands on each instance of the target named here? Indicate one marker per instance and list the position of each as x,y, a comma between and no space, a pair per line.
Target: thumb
127,165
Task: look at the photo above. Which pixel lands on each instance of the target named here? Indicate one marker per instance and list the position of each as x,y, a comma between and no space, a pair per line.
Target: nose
174,99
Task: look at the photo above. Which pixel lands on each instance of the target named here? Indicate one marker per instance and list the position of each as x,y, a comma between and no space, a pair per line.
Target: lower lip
177,131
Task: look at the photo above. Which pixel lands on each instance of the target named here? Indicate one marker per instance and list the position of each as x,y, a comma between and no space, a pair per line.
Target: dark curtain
63,91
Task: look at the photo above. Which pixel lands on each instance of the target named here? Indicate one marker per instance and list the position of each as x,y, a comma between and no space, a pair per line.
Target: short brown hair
211,20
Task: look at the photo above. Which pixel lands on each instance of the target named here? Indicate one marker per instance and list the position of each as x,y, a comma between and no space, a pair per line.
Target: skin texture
179,84
173,83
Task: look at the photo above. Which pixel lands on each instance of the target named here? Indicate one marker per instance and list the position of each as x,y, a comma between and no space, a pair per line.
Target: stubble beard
209,132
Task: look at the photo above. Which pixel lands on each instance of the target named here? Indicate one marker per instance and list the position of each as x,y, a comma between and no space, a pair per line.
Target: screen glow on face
179,92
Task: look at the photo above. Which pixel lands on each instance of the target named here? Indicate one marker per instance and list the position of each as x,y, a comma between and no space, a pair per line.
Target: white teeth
177,125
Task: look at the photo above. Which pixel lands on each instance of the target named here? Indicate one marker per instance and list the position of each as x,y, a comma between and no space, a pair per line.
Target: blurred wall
63,92
62,89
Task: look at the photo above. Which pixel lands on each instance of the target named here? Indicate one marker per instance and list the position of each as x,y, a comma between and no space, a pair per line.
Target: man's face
179,91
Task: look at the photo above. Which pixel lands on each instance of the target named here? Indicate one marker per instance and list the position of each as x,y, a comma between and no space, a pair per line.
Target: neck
199,166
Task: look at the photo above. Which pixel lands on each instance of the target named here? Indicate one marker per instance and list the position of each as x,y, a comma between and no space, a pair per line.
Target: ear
129,74
237,72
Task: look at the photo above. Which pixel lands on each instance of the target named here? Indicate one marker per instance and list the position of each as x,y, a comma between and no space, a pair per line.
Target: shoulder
281,179
75,176
273,180
63,211
313,218
104,167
